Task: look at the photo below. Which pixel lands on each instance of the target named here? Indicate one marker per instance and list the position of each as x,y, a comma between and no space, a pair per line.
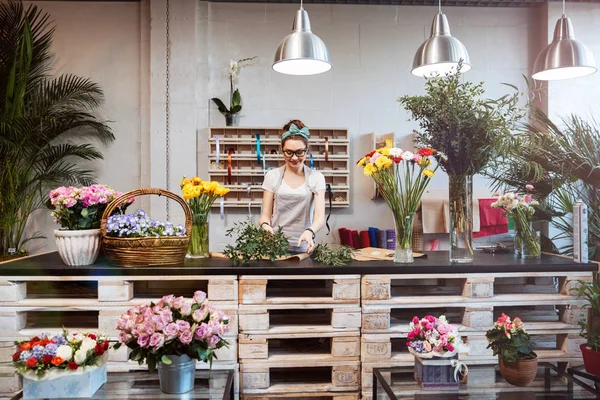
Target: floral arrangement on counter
140,225
509,340
401,178
521,208
49,356
433,337
82,208
173,326
200,196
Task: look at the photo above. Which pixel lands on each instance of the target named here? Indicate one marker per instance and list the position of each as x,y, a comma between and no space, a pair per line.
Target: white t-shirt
316,180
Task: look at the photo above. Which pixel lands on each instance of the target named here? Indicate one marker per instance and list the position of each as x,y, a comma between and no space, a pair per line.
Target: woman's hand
267,227
307,237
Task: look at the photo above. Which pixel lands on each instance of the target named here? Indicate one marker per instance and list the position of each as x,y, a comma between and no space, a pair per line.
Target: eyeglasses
291,153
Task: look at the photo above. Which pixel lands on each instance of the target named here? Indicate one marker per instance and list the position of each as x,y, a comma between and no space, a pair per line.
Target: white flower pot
78,247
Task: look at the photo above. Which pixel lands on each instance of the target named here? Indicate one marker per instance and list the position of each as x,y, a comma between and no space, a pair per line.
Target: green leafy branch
254,243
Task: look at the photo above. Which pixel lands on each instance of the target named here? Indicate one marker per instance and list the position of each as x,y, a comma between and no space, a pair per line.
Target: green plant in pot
466,128
590,327
47,123
514,348
235,98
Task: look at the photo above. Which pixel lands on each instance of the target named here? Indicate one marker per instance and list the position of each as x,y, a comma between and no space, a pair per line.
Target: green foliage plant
46,122
456,119
329,256
590,291
254,243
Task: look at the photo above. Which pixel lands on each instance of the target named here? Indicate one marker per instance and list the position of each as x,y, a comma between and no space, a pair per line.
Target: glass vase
404,228
198,247
231,119
527,240
461,218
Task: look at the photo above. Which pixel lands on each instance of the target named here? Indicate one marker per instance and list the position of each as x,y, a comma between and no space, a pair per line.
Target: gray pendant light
301,52
565,57
441,52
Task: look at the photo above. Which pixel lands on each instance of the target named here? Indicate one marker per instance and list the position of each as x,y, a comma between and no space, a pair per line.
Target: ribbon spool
258,149
229,154
326,149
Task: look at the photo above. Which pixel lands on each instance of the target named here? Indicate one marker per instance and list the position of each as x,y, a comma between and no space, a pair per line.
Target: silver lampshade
441,52
565,57
301,52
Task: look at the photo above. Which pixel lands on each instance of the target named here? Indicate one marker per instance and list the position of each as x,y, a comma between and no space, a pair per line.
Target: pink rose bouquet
81,208
433,337
173,326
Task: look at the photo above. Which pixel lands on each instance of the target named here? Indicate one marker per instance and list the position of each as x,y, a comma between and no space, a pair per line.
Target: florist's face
294,152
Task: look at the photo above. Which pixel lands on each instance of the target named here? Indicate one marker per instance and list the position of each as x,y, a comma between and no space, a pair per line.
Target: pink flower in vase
186,336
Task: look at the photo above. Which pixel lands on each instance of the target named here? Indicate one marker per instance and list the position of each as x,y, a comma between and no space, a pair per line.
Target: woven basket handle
147,191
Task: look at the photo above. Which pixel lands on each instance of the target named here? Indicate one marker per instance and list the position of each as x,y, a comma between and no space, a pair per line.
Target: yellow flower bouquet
401,177
200,196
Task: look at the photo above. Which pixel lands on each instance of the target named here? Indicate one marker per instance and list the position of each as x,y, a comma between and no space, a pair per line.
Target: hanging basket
146,251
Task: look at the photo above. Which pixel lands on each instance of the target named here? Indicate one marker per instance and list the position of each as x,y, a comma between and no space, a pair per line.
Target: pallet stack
544,301
299,336
30,305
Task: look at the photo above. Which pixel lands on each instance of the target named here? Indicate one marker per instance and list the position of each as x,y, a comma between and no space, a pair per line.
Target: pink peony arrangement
81,208
430,336
173,326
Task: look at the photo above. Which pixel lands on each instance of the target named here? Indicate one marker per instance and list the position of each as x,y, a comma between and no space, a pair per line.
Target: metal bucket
177,377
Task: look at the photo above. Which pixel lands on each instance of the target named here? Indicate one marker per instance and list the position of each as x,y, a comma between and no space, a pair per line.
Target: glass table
209,385
554,381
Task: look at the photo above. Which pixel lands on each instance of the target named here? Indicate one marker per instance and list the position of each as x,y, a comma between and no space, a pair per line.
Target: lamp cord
301,4
440,6
564,12
167,104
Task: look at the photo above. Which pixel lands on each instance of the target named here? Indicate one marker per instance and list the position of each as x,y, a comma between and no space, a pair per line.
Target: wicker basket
140,252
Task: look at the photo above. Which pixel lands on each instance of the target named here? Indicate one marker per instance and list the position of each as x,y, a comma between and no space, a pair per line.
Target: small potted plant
514,348
436,345
78,211
235,98
171,335
64,365
590,327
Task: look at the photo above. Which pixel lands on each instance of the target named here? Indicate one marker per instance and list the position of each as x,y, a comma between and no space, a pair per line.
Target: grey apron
293,210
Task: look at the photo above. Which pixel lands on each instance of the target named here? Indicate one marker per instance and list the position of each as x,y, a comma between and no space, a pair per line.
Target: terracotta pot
591,359
519,373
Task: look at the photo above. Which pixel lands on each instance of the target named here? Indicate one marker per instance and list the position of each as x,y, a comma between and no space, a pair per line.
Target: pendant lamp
440,53
565,57
301,52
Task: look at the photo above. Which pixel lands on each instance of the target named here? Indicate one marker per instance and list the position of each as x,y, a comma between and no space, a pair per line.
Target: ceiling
461,3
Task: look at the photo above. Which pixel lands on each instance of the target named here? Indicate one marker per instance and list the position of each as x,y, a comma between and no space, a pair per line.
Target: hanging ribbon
229,154
218,146
330,193
312,161
264,164
222,208
459,368
258,148
326,149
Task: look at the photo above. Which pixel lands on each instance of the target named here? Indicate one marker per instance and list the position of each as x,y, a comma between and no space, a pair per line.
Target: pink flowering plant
509,340
174,326
433,337
82,208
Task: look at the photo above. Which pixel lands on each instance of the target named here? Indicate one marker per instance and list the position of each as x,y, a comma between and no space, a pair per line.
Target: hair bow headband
294,131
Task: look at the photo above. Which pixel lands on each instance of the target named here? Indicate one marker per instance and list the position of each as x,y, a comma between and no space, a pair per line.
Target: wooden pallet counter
304,329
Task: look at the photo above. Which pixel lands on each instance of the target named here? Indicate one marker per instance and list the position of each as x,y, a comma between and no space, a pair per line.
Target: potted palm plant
590,328
42,122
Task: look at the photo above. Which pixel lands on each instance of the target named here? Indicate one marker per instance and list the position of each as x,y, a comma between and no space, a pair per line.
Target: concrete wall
122,47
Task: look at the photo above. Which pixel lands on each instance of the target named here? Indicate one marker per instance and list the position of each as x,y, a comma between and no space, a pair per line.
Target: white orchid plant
235,99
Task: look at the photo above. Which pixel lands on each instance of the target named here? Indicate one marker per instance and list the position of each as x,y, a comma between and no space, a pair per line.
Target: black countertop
435,263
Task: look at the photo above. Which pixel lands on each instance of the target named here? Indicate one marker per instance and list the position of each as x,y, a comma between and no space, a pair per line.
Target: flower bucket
83,383
177,377
436,373
591,359
78,247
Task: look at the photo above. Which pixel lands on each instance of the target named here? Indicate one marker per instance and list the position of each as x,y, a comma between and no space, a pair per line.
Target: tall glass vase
404,227
527,240
461,218
198,247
